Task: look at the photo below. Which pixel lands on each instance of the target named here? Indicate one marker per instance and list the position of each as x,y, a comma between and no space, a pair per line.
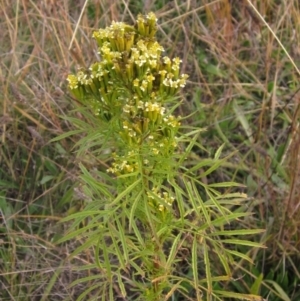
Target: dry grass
242,85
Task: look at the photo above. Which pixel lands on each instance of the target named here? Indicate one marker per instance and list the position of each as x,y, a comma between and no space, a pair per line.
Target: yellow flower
73,82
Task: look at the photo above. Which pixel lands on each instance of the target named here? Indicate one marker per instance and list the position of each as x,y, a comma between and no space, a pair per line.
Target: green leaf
50,165
222,220
247,297
179,193
124,193
97,186
191,196
46,179
67,134
216,164
195,266
279,289
238,232
123,241
207,269
202,163
138,234
87,290
91,241
76,233
214,70
226,184
84,214
224,257
243,242
239,254
116,249
255,288
173,251
132,216
87,279
47,290
97,252
107,263
189,147
243,120
202,205
121,285
219,152
139,269
215,202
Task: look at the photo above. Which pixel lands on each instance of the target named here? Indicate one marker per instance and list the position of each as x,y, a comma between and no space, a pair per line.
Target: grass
243,88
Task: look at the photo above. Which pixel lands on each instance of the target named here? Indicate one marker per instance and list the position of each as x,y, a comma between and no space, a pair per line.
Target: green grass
243,88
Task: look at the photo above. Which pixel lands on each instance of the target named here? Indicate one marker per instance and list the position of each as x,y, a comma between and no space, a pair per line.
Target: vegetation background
243,88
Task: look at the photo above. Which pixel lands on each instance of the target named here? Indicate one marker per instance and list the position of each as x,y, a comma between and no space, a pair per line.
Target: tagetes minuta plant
149,207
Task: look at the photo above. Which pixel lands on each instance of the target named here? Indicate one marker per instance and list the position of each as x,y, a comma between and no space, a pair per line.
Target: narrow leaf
279,289
121,285
124,193
238,232
123,241
243,242
247,297
239,254
255,288
133,209
173,251
207,269
202,205
67,134
195,266
219,151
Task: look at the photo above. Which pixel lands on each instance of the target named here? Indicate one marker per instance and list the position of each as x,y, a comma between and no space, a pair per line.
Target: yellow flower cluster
120,166
160,200
130,86
130,57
